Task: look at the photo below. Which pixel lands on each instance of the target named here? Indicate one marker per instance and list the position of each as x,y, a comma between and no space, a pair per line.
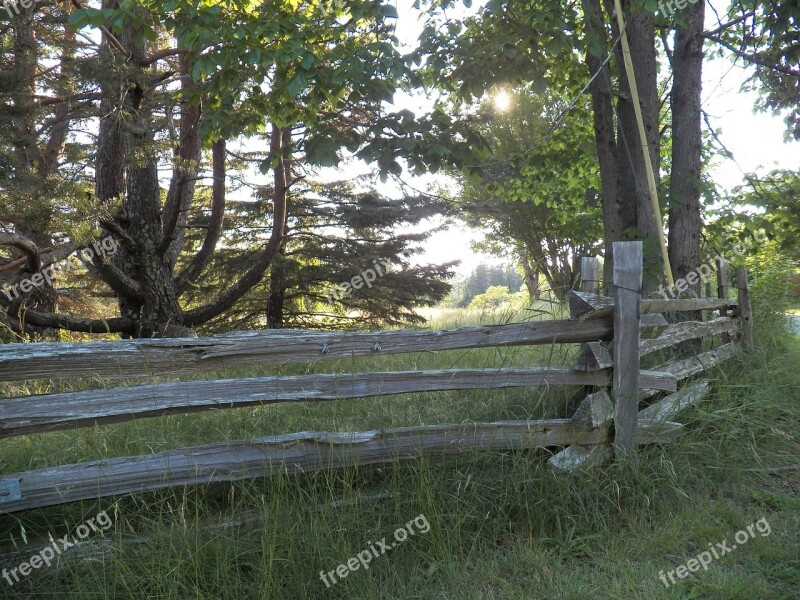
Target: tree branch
184,175
26,246
200,260
256,273
113,325
116,279
754,58
160,55
724,26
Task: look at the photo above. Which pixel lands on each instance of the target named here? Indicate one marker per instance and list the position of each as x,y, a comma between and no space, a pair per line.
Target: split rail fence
615,333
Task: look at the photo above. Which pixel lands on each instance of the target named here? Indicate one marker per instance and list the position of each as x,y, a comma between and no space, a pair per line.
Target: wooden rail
51,412
299,452
164,357
614,332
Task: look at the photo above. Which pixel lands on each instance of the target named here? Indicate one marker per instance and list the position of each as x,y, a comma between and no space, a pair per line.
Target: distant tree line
480,280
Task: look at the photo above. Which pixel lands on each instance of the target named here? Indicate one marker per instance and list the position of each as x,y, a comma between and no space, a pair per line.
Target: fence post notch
628,270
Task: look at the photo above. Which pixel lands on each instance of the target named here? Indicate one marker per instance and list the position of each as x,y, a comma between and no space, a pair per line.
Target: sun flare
502,100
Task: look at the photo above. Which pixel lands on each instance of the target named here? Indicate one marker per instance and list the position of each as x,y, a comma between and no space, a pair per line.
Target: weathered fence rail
615,334
160,357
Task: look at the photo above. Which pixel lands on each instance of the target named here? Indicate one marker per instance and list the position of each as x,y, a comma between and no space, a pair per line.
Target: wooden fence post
628,269
590,283
590,274
745,312
722,292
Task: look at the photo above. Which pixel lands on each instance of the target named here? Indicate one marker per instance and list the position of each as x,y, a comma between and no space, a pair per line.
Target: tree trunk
635,200
146,289
277,278
627,208
531,279
685,221
605,139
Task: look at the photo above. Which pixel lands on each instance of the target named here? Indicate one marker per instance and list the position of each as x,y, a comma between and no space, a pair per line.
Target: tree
494,297
685,185
549,222
335,232
173,83
537,43
764,34
771,204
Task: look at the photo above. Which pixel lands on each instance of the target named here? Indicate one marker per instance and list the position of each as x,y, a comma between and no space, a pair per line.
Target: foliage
540,194
770,273
479,280
335,231
764,33
493,297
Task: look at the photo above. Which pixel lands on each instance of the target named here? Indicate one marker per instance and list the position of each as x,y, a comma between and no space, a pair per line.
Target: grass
501,525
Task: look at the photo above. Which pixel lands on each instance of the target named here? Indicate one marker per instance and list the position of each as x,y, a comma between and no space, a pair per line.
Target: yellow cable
651,179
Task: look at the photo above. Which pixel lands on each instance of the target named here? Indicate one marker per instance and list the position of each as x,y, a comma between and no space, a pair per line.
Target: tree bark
277,278
184,175
614,221
531,278
685,221
634,196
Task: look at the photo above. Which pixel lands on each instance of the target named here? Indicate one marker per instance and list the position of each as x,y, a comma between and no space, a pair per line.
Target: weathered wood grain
594,410
594,356
689,330
684,305
683,369
590,274
652,325
722,292
51,412
589,306
627,295
585,306
669,406
300,452
576,457
167,357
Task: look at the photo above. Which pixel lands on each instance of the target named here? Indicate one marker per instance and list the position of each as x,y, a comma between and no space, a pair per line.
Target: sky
756,140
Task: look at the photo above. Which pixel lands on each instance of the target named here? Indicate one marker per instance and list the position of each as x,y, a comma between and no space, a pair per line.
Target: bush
771,275
493,297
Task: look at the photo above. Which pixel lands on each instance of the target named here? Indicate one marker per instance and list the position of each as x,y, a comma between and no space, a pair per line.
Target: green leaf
297,84
309,60
495,6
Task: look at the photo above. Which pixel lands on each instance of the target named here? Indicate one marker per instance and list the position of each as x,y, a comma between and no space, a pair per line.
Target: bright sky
755,139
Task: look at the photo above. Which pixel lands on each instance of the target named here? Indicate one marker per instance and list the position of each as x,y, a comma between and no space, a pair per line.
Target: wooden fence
615,333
